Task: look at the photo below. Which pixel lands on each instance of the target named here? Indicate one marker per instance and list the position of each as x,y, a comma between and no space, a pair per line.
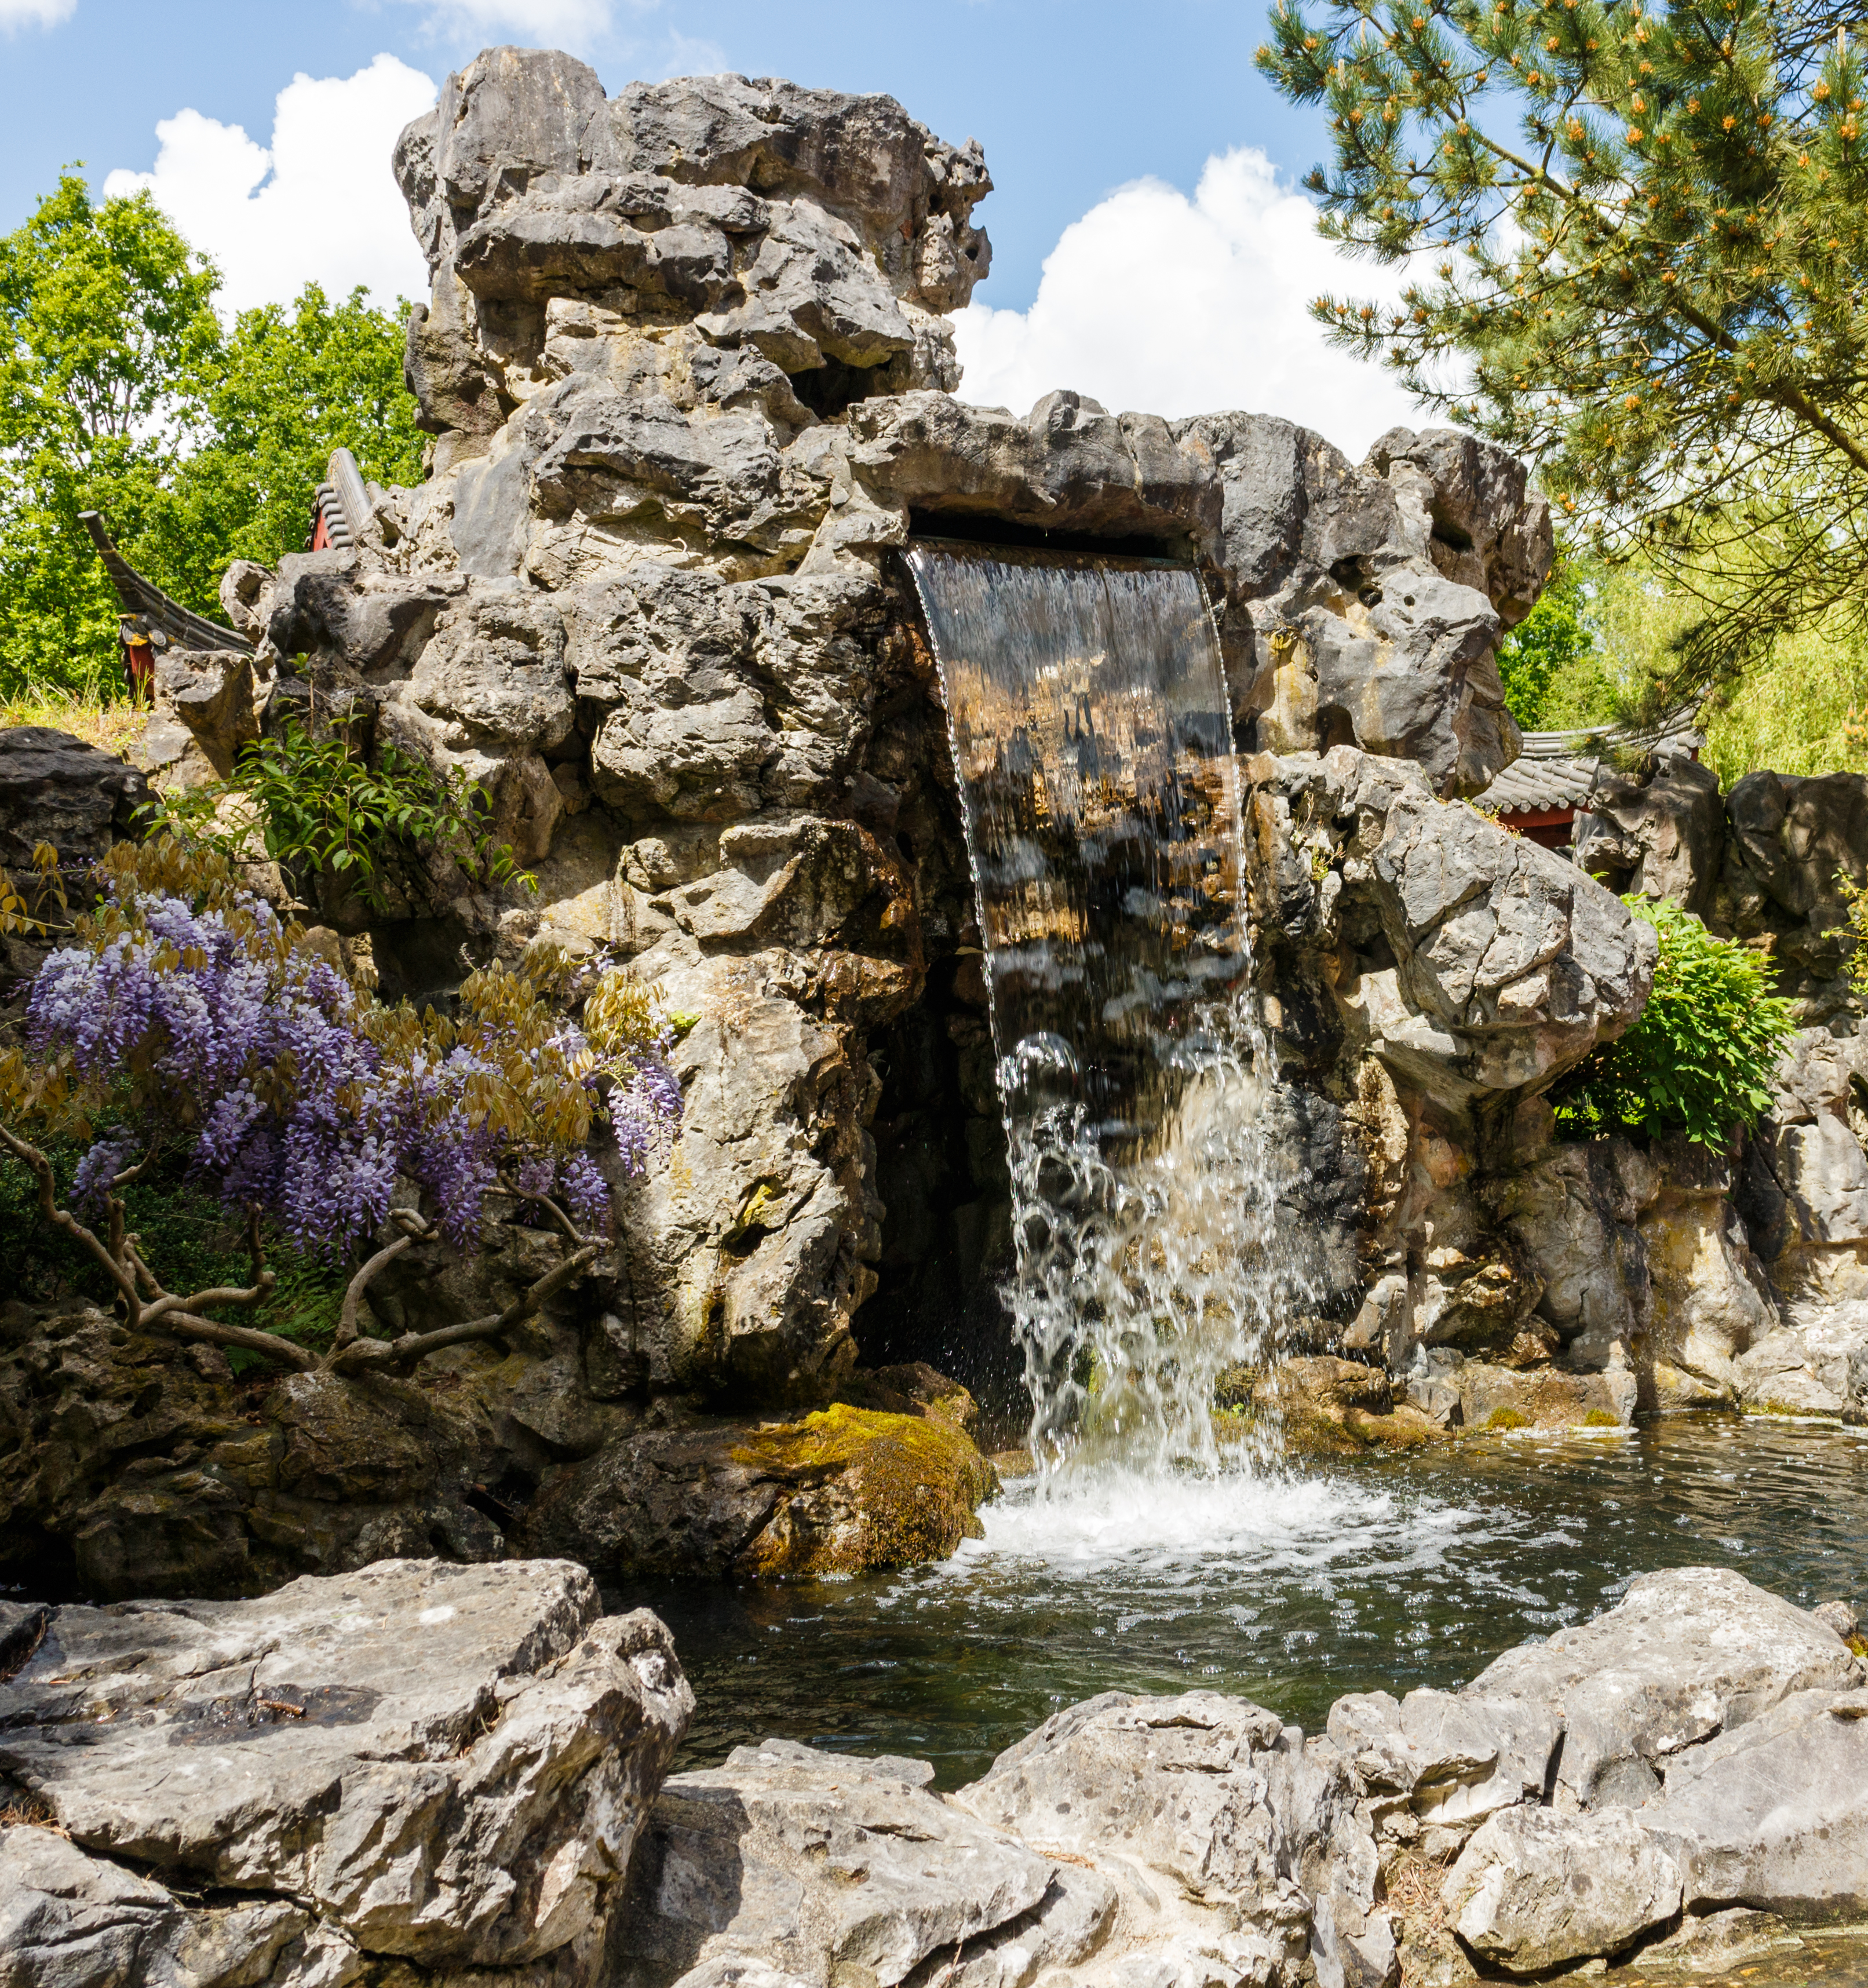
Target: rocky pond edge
423,1772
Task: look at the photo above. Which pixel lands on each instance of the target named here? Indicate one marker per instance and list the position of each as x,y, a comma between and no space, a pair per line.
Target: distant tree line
122,391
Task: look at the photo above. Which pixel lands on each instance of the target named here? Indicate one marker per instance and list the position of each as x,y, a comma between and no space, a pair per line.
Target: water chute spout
1086,700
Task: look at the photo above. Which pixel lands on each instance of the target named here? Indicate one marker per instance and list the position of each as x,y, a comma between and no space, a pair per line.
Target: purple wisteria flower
298,1095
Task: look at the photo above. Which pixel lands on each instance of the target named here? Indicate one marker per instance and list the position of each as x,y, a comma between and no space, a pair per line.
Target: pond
1288,1588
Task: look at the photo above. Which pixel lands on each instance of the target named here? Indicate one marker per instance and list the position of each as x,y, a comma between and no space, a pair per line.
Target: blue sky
1134,146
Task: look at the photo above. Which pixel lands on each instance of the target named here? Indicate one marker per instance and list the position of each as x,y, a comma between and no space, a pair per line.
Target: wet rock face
303,1751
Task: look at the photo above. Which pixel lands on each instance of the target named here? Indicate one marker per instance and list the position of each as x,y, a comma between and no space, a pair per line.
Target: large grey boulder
68,1919
1217,1798
446,1763
1535,1889
1690,1652
54,789
1501,965
1448,1759
1774,1814
820,1865
1788,839
1660,832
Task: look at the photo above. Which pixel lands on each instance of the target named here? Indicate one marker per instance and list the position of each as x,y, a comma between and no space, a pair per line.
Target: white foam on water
1141,1526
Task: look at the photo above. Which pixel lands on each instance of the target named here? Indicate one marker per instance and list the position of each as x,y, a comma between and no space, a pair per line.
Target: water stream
1289,1587
1093,740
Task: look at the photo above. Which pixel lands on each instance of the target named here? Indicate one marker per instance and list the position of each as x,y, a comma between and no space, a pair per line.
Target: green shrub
321,807
1700,1058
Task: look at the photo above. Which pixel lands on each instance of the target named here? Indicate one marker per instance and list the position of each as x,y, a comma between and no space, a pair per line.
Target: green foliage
286,388
320,807
121,392
1802,707
193,1235
1548,643
1856,896
1700,1058
105,318
1649,231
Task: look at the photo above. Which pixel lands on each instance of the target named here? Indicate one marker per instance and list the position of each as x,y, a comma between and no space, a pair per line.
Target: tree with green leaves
285,388
1642,239
1536,656
106,320
122,392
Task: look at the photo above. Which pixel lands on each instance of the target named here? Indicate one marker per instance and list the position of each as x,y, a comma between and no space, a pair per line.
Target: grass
112,725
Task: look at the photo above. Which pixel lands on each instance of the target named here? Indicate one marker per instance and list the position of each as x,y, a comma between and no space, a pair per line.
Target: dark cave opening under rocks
942,1176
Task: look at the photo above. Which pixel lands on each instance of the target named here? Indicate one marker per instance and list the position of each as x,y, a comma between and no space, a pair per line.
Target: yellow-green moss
868,1489
1600,1418
1507,1418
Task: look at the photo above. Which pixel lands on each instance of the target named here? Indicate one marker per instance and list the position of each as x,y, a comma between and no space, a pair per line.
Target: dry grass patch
1413,1892
112,727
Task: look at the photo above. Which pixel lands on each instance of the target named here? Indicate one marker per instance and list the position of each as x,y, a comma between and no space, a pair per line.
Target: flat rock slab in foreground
445,1763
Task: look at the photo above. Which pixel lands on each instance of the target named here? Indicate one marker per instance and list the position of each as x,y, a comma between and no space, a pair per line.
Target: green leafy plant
1700,1058
318,805
1535,656
1856,896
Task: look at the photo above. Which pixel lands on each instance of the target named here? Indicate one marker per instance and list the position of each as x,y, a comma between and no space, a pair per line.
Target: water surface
1289,1589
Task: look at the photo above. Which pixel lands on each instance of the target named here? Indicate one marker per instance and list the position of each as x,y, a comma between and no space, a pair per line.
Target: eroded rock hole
975,528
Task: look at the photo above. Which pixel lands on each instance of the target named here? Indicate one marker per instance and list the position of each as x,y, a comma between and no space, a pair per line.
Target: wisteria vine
186,1012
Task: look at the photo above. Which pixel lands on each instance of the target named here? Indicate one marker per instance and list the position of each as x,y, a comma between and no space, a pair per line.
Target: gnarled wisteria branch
414,1347
308,1108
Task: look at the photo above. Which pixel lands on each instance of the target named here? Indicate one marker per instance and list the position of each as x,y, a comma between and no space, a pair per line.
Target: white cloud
1177,306
15,14
689,54
320,205
575,24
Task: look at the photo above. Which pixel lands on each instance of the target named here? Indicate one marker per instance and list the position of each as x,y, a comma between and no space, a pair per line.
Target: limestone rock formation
1691,1652
1247,1819
68,1919
817,1863
688,370
844,1490
303,1750
1535,1889
458,1772
140,1466
54,789
1428,976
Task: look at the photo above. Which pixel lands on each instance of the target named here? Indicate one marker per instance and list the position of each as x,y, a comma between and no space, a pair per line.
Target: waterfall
1092,737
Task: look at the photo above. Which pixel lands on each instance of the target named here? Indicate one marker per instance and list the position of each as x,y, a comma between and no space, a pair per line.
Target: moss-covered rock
873,1490
1327,1406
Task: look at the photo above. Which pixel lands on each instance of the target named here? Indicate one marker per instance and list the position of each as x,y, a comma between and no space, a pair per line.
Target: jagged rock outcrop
1430,975
446,1765
689,375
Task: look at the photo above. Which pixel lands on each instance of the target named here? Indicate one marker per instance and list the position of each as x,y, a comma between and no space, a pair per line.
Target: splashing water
1092,736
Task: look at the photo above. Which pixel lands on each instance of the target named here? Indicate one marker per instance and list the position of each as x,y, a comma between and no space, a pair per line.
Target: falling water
1091,734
